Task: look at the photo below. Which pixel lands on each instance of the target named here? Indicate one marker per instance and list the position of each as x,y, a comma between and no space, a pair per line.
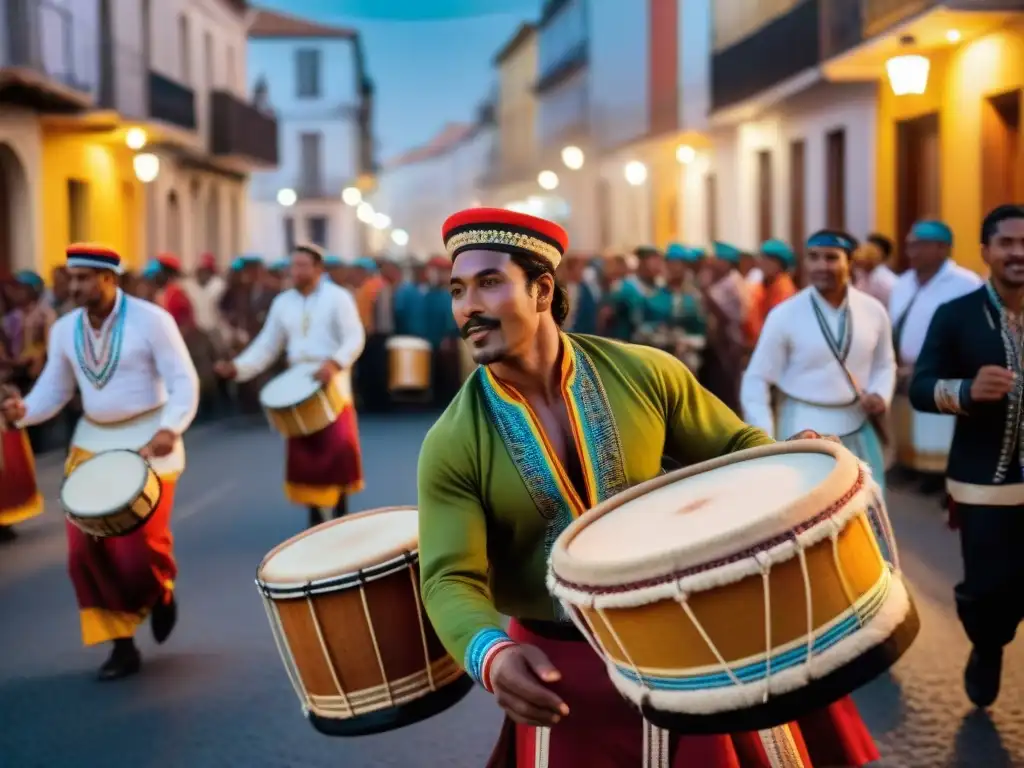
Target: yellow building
950,144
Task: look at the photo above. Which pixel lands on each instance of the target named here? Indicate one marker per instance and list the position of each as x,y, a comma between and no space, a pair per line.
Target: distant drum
297,404
409,364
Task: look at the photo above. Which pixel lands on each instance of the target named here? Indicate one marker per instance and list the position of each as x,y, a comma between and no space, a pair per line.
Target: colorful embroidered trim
480,652
99,355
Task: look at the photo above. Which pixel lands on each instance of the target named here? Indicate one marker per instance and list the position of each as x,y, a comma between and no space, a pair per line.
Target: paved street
216,695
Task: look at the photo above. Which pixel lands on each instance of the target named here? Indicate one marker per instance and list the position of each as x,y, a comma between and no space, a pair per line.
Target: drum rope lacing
373,637
328,662
286,656
410,559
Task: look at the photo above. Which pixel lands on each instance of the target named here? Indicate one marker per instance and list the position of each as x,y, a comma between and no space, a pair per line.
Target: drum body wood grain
741,593
409,364
111,494
344,606
297,404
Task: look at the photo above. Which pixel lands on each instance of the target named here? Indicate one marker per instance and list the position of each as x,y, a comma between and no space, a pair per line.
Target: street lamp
287,197
548,180
135,139
351,196
636,173
364,212
573,158
908,74
147,167
686,154
400,237
381,221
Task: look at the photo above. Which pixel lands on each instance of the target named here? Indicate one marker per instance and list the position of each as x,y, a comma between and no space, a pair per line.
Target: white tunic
879,283
322,326
951,282
794,356
154,370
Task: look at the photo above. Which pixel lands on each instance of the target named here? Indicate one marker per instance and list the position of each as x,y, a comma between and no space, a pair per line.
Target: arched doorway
173,239
15,214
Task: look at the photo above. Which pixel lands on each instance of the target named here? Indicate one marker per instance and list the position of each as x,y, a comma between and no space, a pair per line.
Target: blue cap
151,270
779,250
364,262
726,252
677,252
931,231
330,260
238,264
30,278
281,265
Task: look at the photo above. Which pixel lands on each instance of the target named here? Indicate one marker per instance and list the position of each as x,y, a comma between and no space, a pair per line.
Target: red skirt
118,580
20,498
603,730
320,468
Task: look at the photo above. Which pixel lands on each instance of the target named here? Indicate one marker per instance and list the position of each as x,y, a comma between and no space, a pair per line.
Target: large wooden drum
297,404
344,607
409,364
741,593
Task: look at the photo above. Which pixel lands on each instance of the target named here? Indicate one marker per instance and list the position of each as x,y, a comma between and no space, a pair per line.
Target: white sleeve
766,366
265,348
353,336
883,363
176,369
56,384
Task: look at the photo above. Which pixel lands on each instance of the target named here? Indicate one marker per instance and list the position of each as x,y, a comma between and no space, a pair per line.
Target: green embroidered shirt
492,499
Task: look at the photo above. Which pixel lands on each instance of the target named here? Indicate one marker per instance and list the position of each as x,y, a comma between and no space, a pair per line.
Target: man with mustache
548,426
970,367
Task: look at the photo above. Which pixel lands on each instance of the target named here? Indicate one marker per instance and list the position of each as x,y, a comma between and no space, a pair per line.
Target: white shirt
951,282
793,355
879,282
206,301
153,370
333,331
755,276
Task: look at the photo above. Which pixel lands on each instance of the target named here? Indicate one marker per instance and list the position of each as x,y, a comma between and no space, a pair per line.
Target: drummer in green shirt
547,427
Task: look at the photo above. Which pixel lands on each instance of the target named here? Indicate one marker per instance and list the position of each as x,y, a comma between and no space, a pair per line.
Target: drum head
104,483
291,387
408,342
343,546
698,515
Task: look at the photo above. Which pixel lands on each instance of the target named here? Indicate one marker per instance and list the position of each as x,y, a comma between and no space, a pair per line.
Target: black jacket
966,334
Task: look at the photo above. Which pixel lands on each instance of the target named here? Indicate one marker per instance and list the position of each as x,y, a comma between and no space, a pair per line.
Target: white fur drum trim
711,700
718,576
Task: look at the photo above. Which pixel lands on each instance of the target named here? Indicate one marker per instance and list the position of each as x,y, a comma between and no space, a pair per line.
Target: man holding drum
827,353
548,426
316,322
970,367
140,393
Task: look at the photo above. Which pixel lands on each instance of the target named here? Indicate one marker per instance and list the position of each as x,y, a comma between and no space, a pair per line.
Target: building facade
417,191
98,83
315,78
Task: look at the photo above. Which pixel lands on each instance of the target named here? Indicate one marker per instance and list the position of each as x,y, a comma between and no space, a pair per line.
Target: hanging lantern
908,73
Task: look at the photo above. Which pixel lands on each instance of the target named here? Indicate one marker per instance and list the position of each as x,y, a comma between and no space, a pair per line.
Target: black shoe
7,533
982,676
341,508
124,661
165,616
932,484
315,517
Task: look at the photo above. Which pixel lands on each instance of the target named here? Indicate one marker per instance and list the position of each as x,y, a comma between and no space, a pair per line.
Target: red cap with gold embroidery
93,256
169,262
498,229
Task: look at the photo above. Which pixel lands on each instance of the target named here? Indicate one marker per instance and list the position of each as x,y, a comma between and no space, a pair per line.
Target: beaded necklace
99,352
1012,333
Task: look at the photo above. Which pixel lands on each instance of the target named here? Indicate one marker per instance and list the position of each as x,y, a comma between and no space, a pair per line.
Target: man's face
615,268
496,312
203,275
651,267
926,255
60,283
305,270
1004,253
827,269
89,288
675,270
770,267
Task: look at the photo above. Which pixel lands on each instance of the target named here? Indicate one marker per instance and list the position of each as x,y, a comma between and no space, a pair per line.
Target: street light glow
381,221
287,197
135,139
573,158
548,180
146,166
636,173
351,196
364,212
400,237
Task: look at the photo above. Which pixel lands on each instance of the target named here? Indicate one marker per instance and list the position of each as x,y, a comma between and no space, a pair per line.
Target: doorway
1002,160
15,214
917,177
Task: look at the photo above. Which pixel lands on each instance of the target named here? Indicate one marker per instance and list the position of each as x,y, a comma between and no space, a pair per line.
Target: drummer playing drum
550,425
315,321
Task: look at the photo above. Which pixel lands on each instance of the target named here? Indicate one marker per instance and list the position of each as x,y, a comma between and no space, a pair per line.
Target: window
835,179
316,230
711,207
185,50
309,147
78,211
289,234
765,198
307,73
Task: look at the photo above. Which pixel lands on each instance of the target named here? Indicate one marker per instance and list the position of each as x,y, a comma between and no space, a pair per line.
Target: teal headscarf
151,270
779,250
931,231
365,262
31,279
331,261
678,252
281,265
728,253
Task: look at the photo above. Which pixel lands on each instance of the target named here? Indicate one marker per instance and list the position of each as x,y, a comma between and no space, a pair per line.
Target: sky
430,60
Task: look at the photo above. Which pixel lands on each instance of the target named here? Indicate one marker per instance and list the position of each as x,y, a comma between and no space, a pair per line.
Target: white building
88,86
417,191
316,81
781,138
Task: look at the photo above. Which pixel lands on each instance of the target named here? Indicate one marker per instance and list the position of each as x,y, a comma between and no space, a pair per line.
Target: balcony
171,102
785,47
39,65
239,130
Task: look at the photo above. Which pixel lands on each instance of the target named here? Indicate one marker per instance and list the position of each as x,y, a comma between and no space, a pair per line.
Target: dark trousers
446,376
990,599
372,375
